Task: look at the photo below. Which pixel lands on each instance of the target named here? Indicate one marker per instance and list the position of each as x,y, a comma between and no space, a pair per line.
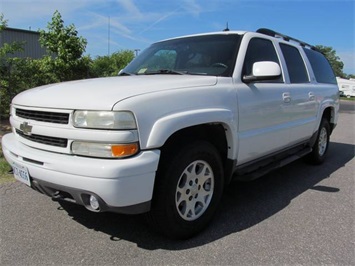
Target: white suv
179,122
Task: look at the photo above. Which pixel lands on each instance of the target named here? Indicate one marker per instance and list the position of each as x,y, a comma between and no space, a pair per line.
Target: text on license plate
21,173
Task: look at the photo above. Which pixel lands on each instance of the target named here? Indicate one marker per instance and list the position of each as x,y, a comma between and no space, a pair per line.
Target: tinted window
162,59
321,68
259,50
295,65
198,55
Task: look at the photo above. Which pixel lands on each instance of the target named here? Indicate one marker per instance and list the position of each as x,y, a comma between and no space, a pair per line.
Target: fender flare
166,126
334,113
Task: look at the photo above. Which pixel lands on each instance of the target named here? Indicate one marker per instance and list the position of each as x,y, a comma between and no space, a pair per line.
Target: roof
207,34
21,30
262,31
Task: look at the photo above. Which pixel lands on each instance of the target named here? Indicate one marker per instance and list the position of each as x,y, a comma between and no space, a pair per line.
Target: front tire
188,189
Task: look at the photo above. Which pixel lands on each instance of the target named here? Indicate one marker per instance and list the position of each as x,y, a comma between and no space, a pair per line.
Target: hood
104,93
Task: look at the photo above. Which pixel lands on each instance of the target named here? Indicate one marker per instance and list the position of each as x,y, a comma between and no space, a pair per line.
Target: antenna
226,29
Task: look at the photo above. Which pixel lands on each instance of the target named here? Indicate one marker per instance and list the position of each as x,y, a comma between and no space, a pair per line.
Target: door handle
311,96
286,97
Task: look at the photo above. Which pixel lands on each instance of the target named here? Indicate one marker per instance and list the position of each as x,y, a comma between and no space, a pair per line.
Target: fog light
94,203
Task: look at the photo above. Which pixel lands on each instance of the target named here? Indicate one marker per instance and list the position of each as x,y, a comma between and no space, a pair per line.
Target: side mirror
264,70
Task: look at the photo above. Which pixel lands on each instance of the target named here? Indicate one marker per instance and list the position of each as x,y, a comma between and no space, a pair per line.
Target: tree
8,48
65,61
333,59
11,81
106,66
65,48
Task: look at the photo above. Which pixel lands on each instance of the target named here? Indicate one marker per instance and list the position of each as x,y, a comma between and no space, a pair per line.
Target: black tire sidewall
315,157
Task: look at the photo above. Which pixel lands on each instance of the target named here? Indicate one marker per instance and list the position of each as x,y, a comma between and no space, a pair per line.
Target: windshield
212,55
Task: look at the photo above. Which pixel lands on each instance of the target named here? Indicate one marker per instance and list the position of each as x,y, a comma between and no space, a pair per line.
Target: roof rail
285,37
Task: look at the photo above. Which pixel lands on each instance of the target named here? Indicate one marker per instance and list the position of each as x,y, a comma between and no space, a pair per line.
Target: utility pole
108,36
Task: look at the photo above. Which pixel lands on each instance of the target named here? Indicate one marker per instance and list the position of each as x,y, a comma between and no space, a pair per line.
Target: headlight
104,119
104,150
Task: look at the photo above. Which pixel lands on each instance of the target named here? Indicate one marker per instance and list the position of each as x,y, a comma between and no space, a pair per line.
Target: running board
259,169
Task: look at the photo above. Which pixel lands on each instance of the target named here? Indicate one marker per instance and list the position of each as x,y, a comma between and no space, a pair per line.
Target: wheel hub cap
322,142
194,190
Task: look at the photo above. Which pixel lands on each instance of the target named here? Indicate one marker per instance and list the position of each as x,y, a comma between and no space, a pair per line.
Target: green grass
347,99
5,177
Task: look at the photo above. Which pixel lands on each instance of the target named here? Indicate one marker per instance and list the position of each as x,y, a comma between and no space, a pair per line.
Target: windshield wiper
123,73
166,71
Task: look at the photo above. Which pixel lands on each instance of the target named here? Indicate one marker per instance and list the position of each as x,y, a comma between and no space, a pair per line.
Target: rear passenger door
300,95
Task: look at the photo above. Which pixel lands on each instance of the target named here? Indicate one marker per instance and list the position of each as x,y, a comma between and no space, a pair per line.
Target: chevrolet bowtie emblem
26,128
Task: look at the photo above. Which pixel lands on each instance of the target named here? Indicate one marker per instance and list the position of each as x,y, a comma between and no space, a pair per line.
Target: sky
114,25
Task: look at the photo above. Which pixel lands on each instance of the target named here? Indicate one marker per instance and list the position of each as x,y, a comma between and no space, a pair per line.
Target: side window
259,50
295,65
322,70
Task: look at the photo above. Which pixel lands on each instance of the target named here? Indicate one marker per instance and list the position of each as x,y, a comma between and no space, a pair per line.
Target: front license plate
21,173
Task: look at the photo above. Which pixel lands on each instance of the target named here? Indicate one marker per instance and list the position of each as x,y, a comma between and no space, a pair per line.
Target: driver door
263,107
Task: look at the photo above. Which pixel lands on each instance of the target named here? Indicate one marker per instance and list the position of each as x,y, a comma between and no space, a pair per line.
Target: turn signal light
104,150
124,150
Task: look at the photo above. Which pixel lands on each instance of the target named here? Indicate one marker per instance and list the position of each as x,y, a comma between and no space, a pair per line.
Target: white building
346,87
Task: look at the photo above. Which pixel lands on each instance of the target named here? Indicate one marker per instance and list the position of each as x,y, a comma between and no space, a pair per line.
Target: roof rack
285,37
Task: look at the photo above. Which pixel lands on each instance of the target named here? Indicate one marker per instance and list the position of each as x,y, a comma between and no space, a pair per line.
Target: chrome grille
50,117
58,142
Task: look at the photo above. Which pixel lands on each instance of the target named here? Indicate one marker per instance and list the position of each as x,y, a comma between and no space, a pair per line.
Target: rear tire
188,189
320,147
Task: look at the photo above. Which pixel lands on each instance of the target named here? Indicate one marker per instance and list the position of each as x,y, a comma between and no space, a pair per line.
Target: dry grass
5,177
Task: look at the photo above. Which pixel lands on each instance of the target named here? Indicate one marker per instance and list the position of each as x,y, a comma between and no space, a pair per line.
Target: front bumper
124,186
